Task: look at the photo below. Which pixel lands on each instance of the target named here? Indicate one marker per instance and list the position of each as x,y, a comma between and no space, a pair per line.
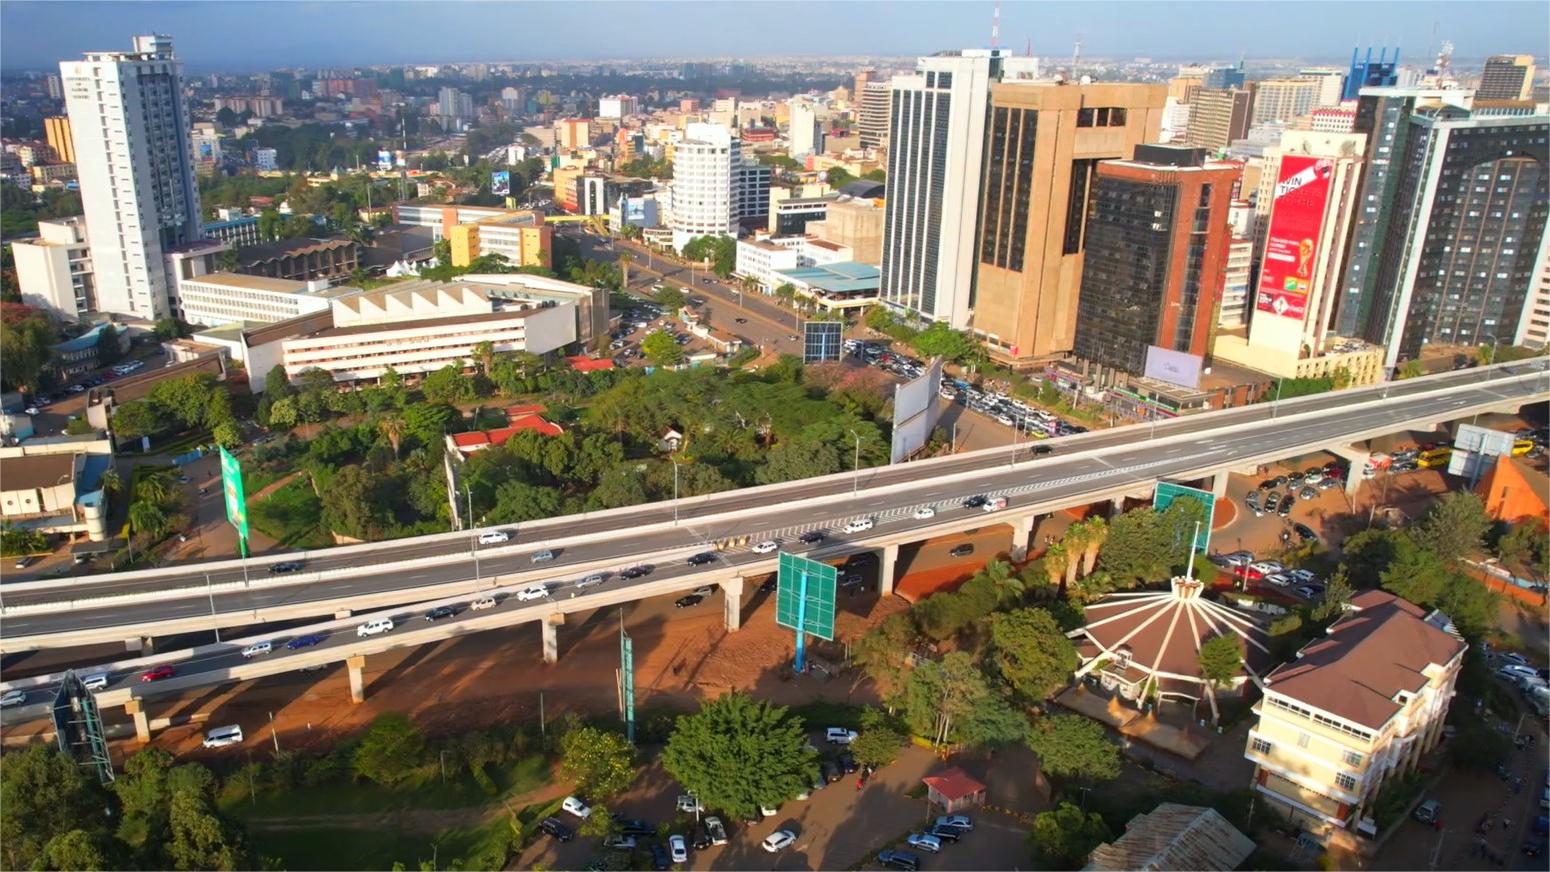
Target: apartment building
232,298
1235,284
512,236
1507,77
715,188
1284,99
762,260
1356,708
54,270
1217,117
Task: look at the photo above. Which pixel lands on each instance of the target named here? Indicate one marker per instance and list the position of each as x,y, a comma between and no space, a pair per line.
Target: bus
1522,447
1434,458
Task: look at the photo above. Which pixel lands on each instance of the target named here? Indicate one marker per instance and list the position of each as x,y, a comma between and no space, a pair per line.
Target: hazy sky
238,35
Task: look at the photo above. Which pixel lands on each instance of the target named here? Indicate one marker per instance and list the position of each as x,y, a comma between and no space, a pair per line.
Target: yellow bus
1522,447
1434,458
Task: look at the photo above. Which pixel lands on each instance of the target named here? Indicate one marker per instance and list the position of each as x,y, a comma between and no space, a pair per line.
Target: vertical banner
500,183
236,502
1291,242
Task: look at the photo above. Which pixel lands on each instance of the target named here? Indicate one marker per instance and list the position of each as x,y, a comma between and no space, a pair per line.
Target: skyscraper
130,129
1156,256
1216,118
806,133
875,99
714,187
936,135
1284,99
1507,77
1367,73
1041,152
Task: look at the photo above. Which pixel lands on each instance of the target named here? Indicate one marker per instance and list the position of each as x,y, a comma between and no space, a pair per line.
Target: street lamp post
675,490
213,623
1275,404
473,541
855,483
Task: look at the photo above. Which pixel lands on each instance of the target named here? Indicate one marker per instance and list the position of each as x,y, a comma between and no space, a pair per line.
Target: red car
159,672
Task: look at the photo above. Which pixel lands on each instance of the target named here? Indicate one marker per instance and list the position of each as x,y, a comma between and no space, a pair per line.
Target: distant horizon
320,35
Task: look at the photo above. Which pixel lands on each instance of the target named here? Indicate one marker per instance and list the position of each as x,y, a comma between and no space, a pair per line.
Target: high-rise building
1534,326
1041,153
806,131
1223,78
130,130
56,129
714,188
1331,81
1234,312
875,99
1216,118
1507,77
936,136
456,107
1183,88
1452,231
1367,73
1284,99
1156,257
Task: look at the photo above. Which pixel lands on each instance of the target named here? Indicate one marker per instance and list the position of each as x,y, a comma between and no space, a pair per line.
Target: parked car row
946,830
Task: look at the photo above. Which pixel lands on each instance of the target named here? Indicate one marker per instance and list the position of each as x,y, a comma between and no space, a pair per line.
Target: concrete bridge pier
1219,483
1022,537
141,644
551,629
732,602
341,614
1357,458
357,667
886,568
136,710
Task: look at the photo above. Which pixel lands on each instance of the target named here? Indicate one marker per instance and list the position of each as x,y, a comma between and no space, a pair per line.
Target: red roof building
468,443
582,363
953,789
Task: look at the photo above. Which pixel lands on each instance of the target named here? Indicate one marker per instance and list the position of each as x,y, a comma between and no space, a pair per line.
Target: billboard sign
1474,450
804,595
1174,367
236,502
915,412
1291,242
384,160
1167,492
500,183
821,341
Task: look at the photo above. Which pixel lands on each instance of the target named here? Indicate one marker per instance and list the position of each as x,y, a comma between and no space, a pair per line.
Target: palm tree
624,268
1073,543
112,483
154,486
1054,564
1097,534
391,423
147,517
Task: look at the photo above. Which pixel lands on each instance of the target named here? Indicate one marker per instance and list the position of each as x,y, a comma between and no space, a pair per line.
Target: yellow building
513,237
1355,708
56,130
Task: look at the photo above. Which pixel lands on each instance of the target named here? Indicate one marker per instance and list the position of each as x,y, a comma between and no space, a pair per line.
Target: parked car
839,736
717,830
1428,811
577,806
901,860
1310,591
220,737
1286,505
1238,558
957,821
945,834
556,829
779,841
619,842
688,601
1305,532
678,848
1308,493
963,550
924,842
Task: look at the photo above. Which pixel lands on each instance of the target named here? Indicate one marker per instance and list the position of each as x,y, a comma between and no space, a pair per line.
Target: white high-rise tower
130,125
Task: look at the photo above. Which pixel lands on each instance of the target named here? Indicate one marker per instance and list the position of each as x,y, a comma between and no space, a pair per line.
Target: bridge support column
357,666
342,614
886,568
142,644
136,710
1357,458
551,628
1219,484
1022,537
732,602
1116,507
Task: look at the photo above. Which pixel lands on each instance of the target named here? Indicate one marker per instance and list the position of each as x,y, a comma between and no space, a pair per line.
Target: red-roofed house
954,790
467,443
529,409
582,363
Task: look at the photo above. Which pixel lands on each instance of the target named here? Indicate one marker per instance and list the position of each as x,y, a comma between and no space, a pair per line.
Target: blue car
304,642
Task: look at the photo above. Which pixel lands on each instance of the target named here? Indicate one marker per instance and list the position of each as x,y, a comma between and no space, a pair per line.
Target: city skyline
315,34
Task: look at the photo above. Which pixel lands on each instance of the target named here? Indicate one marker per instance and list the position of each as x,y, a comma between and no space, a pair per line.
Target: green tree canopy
135,419
1220,658
1073,747
45,795
737,753
880,652
25,336
670,298
390,749
1063,837
1031,653
601,762
662,349
1454,526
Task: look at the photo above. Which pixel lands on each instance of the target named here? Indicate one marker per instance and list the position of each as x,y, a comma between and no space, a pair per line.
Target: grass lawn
291,515
422,790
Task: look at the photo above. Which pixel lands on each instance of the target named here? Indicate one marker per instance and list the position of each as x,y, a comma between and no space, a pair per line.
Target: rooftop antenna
995,27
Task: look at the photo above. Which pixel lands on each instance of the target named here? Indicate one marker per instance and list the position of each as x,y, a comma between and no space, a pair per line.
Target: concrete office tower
936,135
1284,99
875,100
1234,312
456,107
1466,234
806,131
1331,83
1042,149
1507,77
130,128
1368,73
706,190
1216,118
1156,257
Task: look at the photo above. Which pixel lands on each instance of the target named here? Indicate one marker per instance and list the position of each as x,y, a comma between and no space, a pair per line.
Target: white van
494,537
257,649
994,504
99,681
220,737
375,628
859,525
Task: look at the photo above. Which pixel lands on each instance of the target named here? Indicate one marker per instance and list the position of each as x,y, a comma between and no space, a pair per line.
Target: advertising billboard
500,183
236,502
1174,367
1291,242
384,160
821,341
915,412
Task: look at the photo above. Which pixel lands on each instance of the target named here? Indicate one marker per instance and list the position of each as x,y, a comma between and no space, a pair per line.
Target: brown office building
1043,143
1216,118
1157,243
1507,77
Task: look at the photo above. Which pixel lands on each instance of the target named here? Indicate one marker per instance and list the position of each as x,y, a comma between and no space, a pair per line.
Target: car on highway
813,537
701,558
257,649
375,628
577,806
158,673
994,504
975,501
532,592
924,842
778,841
287,566
494,537
925,513
13,697
301,642
859,525
26,561
543,556
765,547
590,581
439,613
688,601
482,603
741,320
639,571
678,848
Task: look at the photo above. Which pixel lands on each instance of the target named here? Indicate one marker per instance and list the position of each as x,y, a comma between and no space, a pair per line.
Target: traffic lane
737,500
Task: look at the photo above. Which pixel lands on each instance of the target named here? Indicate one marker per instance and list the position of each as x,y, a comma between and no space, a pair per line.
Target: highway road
1078,468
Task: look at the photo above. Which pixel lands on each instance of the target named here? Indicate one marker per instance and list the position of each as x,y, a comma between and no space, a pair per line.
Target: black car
812,536
769,585
1042,449
688,601
946,834
287,566
1267,484
847,762
439,612
556,828
975,501
896,859
699,839
1305,532
1278,481
830,770
633,826
636,572
659,858
963,550
741,320
702,558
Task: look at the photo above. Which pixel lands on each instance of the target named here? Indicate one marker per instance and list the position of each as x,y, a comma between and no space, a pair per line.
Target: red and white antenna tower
995,26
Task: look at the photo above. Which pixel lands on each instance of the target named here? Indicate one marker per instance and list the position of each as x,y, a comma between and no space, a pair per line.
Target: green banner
236,501
804,595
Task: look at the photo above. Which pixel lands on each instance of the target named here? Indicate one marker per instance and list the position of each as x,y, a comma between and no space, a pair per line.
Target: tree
45,794
26,335
112,482
786,292
1337,592
1454,526
1030,652
1220,658
662,349
601,762
671,299
737,753
1063,837
80,849
1410,369
447,385
135,419
148,518
939,695
357,504
390,749
427,422
1071,746
200,838
880,652
227,434
839,177
790,461
517,501
108,349
879,740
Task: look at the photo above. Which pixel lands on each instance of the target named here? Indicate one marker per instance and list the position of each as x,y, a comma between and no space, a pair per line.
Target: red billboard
1291,243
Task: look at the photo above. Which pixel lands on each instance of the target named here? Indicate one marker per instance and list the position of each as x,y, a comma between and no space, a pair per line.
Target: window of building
1353,759
1260,746
1345,782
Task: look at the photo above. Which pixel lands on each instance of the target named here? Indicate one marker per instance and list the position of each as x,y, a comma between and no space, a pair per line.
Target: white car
482,603
1238,558
1301,576
839,736
859,525
765,547
543,556
13,697
1280,579
375,628
589,581
779,841
532,592
494,537
577,806
1267,567
707,590
257,649
678,848
925,513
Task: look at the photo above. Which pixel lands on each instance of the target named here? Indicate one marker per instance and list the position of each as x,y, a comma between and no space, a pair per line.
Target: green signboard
236,501
627,684
804,597
1167,492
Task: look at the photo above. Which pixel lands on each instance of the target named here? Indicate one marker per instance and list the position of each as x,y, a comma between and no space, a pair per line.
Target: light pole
473,541
213,624
675,490
273,735
855,482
